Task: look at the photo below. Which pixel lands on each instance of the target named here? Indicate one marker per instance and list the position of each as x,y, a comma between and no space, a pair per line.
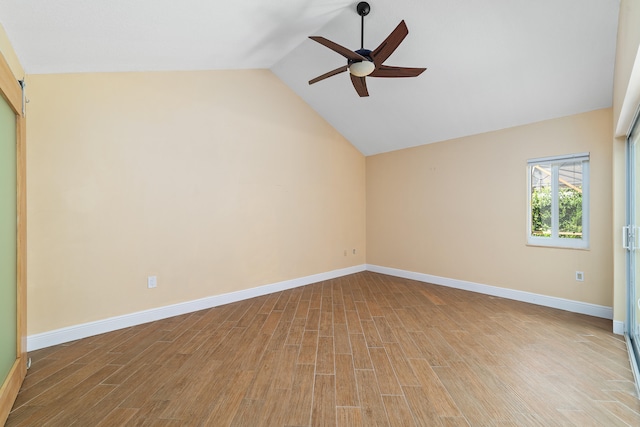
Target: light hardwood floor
365,349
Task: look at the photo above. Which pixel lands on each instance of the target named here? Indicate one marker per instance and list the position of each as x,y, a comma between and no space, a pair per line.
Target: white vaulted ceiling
490,65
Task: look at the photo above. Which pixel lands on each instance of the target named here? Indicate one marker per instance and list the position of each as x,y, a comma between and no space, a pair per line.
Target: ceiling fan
364,62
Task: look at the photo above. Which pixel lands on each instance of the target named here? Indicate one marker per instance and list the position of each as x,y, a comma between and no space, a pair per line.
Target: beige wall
214,181
457,209
626,52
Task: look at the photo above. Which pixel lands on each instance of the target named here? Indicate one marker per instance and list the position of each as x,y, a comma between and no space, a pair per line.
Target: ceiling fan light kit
362,68
363,62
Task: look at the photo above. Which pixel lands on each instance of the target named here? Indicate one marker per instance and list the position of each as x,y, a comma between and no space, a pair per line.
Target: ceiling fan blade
329,74
389,45
347,53
389,71
360,85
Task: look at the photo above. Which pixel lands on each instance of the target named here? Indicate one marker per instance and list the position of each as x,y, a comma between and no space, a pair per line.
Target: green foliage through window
569,212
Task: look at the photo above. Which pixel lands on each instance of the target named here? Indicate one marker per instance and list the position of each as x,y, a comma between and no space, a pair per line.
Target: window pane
541,200
8,227
570,200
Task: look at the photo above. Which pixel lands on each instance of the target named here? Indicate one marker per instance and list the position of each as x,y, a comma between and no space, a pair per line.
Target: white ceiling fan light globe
362,68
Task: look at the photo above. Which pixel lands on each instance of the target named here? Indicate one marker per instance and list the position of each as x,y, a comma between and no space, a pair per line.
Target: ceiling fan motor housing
362,52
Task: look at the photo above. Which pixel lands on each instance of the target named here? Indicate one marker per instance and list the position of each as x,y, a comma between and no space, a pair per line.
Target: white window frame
555,240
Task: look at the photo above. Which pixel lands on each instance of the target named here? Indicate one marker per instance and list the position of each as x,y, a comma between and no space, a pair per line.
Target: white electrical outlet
152,282
580,276
354,251
345,252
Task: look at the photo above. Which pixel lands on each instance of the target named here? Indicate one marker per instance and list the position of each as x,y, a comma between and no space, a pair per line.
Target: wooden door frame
10,90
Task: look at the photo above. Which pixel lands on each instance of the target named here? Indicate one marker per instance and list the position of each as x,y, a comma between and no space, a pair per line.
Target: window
558,202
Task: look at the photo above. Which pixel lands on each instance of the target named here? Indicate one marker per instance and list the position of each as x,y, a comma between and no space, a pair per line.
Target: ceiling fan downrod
363,9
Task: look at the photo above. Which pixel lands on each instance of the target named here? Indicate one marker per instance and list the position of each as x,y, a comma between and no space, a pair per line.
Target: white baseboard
72,333
618,327
544,300
76,332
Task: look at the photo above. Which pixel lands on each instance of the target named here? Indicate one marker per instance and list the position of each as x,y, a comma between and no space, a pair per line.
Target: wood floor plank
324,401
325,363
361,358
401,366
346,386
384,330
29,416
341,339
43,369
360,350
282,301
249,413
313,320
363,311
623,412
408,320
349,303
285,369
295,332
279,336
271,323
228,344
275,410
349,417
435,347
373,413
456,422
303,309
627,399
26,396
439,396
339,316
308,348
477,401
387,380
268,302
326,324
407,344
117,417
374,308
211,386
353,322
301,396
259,345
398,411
580,418
97,411
145,416
75,385
227,407
265,375
315,302
151,379
72,408
289,312
423,410
371,335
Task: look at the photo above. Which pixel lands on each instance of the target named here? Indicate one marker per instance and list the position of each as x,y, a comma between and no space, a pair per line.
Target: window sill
553,245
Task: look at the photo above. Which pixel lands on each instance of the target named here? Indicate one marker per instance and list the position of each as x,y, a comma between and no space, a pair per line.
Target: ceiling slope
69,36
490,65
